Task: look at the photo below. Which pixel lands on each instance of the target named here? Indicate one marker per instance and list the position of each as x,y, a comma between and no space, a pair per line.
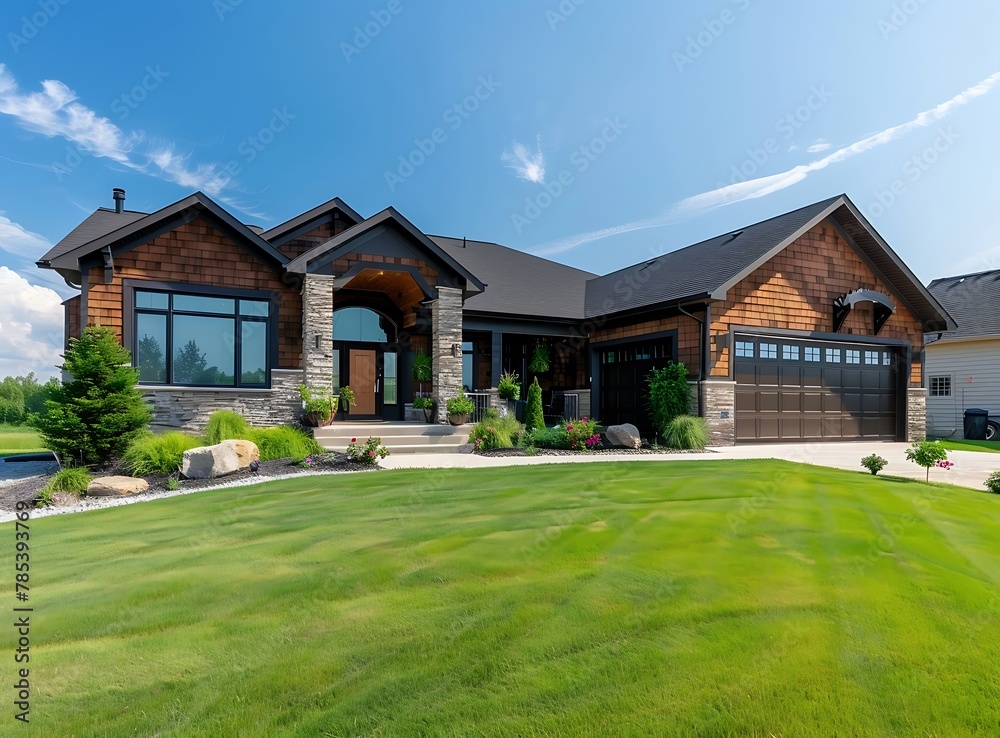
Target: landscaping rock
624,436
209,462
246,451
116,486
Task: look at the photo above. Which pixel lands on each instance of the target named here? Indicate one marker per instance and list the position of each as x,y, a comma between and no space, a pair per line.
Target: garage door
789,390
624,370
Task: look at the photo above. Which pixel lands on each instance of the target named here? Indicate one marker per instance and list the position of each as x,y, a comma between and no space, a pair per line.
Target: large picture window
200,340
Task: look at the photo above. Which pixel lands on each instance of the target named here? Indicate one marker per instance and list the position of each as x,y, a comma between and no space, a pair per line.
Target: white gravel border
97,503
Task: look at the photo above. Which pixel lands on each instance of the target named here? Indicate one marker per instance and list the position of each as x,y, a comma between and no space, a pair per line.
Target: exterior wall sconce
456,350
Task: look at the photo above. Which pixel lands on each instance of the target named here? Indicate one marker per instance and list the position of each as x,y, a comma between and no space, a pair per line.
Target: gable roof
148,226
388,217
308,220
709,269
99,223
973,300
520,284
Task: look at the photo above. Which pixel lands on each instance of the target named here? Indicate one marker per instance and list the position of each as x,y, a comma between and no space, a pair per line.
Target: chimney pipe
119,194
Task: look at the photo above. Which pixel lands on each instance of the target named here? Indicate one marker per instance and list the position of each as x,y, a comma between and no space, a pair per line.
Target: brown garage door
791,390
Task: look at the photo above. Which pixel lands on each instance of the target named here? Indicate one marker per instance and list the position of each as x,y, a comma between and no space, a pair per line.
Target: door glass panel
336,371
151,347
253,352
389,379
204,350
358,324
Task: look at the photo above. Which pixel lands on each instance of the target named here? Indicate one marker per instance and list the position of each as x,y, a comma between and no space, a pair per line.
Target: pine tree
534,417
93,417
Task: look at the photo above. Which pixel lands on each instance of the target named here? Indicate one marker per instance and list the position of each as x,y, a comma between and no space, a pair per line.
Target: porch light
456,350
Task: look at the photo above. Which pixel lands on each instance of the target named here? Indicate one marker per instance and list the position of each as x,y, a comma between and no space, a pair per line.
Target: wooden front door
363,377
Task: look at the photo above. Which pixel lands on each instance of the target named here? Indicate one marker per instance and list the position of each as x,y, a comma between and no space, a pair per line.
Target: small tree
95,416
534,418
927,454
11,401
874,463
669,395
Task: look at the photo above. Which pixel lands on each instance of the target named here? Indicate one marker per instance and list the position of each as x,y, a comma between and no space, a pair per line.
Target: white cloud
54,111
15,240
763,186
821,145
31,327
982,261
528,165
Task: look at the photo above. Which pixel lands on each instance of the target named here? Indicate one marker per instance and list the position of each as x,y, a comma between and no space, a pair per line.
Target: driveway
971,468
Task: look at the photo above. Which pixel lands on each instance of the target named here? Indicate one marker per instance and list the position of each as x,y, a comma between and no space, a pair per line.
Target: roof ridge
517,251
964,276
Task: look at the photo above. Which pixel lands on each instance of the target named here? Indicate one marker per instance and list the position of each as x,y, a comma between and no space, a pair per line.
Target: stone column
916,414
719,408
446,325
317,330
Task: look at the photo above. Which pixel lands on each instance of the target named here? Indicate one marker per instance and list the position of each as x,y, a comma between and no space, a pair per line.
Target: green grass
961,445
748,598
19,439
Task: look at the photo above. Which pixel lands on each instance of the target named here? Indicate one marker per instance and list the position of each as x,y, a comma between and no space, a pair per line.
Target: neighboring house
806,326
963,365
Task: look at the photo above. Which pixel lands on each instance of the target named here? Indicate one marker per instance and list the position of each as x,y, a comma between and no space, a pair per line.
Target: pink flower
569,426
946,465
585,420
371,453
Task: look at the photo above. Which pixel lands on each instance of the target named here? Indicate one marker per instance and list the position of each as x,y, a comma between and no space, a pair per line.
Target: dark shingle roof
518,283
973,300
697,270
99,223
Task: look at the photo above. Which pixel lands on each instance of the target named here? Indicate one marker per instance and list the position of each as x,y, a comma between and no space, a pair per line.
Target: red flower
354,440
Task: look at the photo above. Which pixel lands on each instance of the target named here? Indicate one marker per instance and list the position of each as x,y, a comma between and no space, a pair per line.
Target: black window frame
131,313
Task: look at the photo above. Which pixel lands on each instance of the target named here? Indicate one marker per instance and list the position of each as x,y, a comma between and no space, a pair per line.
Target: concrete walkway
971,468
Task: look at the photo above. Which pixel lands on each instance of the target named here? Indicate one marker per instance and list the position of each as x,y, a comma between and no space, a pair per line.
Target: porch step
399,438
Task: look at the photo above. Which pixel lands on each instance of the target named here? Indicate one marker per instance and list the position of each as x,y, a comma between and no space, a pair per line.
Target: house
963,365
806,326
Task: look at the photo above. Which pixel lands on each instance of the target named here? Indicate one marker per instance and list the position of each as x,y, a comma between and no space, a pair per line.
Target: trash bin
975,424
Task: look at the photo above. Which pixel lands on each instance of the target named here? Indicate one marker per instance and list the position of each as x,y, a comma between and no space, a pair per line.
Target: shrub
319,402
686,433
550,438
421,403
226,425
581,435
540,359
460,404
993,483
509,386
172,484
926,454
68,481
158,454
283,442
368,452
534,417
874,463
669,395
494,431
96,415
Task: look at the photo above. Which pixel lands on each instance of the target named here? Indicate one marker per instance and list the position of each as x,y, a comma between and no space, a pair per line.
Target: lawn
743,598
19,439
962,445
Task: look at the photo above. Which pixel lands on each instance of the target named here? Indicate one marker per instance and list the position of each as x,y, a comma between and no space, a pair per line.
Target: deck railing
482,401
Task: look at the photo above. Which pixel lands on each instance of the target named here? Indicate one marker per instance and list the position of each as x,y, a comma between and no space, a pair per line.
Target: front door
363,377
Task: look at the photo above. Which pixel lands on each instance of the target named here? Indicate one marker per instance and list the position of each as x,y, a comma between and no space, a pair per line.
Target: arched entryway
365,358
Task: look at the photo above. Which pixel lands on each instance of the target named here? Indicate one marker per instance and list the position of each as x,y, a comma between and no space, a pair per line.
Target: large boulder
116,486
246,451
623,436
209,462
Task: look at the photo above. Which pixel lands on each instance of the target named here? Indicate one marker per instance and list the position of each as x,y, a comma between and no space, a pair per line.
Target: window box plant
460,408
427,405
346,399
317,406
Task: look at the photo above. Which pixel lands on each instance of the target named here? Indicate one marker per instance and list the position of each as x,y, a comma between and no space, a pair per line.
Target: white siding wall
974,368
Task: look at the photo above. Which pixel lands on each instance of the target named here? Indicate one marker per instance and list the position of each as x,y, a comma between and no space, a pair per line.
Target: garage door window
769,351
871,358
886,358
812,353
833,356
744,349
853,357
790,353
940,386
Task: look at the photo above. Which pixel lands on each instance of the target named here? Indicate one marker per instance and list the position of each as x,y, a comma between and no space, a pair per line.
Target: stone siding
188,408
916,414
317,330
720,412
446,320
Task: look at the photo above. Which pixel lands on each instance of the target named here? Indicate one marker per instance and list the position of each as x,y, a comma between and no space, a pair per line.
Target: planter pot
428,414
458,418
318,420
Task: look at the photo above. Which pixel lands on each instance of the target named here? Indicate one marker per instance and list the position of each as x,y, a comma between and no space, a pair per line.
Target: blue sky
593,132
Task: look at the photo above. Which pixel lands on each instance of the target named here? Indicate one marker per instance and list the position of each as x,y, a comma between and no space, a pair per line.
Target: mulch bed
26,490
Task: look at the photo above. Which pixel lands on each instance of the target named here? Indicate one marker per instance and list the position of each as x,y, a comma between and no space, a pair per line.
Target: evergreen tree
534,417
189,364
93,417
149,358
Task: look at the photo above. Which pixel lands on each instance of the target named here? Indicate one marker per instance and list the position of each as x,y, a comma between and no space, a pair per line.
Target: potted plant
346,399
421,369
540,360
317,406
509,388
427,405
459,408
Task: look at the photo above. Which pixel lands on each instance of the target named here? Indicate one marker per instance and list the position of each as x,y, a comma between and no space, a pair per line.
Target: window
360,325
812,353
790,353
336,371
853,357
940,386
871,357
833,356
744,349
389,391
467,357
886,358
200,340
769,351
